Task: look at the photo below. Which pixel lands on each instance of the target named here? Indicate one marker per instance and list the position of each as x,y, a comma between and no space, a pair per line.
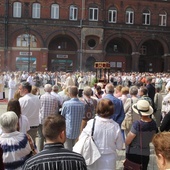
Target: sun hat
142,107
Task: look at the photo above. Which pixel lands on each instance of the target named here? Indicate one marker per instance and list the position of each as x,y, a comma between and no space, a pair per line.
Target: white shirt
24,125
30,106
30,80
12,84
107,137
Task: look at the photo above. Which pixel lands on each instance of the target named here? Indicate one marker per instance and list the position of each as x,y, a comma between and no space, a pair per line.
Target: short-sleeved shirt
144,133
73,111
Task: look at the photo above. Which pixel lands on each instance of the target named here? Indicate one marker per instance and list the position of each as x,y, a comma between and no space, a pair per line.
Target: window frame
17,9
163,19
129,16
24,40
146,17
73,14
54,11
111,17
93,10
36,10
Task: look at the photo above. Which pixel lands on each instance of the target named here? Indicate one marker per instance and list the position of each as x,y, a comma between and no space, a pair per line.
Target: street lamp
28,40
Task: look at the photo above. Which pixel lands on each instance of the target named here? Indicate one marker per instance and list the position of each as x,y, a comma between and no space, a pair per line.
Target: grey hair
109,88
9,121
133,90
48,87
87,91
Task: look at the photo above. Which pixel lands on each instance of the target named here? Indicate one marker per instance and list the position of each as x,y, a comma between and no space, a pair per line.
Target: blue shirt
73,111
119,113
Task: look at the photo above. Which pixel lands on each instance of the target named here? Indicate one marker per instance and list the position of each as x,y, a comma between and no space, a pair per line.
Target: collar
74,98
50,145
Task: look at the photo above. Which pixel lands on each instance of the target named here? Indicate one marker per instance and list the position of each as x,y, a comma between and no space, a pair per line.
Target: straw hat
143,108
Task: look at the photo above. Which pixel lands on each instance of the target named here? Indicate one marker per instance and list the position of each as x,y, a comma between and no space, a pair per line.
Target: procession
80,98
85,85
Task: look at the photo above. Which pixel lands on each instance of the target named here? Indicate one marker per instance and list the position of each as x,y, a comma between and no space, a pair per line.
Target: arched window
36,8
25,40
17,9
55,11
112,15
73,12
93,14
146,17
162,18
129,16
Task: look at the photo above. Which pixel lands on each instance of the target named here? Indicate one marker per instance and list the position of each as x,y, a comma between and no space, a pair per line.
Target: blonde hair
161,142
125,90
35,90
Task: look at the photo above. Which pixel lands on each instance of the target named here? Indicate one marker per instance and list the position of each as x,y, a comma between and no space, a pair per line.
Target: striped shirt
55,157
73,111
16,149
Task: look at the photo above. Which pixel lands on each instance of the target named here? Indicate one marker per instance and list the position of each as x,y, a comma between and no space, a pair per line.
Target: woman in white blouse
23,124
107,136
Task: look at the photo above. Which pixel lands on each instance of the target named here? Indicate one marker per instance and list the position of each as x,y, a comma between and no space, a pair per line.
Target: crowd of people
39,131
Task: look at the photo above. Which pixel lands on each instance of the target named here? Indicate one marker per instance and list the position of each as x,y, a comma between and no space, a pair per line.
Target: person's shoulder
167,115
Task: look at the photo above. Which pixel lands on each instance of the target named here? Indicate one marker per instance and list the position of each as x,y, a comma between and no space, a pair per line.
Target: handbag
87,148
129,165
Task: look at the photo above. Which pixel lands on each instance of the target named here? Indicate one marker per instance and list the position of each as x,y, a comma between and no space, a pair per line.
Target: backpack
89,110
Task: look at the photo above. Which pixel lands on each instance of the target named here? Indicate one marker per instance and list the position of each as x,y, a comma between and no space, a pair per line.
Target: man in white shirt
30,79
30,106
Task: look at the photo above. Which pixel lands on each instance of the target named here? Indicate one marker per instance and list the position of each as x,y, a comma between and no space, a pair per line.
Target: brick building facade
133,35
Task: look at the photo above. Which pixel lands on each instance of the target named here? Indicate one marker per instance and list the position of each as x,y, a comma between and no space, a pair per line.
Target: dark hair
53,126
99,90
14,105
26,85
105,108
158,89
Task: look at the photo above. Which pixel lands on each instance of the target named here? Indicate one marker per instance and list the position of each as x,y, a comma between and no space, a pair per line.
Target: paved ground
121,153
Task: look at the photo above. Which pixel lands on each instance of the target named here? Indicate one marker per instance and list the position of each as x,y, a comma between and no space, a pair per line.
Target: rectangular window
55,11
162,19
112,16
36,10
73,13
93,14
146,19
119,64
17,10
129,17
143,50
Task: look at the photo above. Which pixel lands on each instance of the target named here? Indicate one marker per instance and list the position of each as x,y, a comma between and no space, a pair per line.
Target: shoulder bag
87,148
129,165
